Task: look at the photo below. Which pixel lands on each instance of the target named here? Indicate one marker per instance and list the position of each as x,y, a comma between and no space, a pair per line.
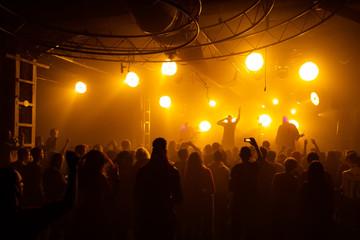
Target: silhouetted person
92,215
284,202
157,190
54,184
221,175
172,152
316,205
54,181
98,147
187,133
244,185
32,178
123,209
183,155
9,146
350,156
126,145
265,177
271,157
81,150
18,223
332,163
266,144
208,154
313,156
349,206
24,157
142,157
287,134
51,142
198,198
229,124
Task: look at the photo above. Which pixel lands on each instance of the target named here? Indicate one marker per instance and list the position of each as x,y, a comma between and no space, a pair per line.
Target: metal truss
266,35
248,30
77,43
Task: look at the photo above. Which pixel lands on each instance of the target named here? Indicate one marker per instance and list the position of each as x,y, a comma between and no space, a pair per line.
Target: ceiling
210,37
97,40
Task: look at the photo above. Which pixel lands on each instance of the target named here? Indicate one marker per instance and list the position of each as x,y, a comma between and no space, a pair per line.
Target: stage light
293,111
315,98
169,68
233,119
132,79
212,103
275,101
263,106
308,71
80,87
295,123
165,102
265,120
254,61
205,126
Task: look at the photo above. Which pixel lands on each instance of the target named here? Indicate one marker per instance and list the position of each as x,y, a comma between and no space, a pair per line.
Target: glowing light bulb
265,120
165,102
275,101
169,68
80,87
212,103
308,71
254,61
204,126
132,79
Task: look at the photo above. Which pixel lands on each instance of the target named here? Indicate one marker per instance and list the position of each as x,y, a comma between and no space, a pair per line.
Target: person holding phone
244,185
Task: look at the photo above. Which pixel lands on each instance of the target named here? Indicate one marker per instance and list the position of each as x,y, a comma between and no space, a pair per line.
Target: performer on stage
187,133
229,124
287,134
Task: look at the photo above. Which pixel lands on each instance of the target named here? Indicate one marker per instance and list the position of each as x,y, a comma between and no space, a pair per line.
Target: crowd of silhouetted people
175,190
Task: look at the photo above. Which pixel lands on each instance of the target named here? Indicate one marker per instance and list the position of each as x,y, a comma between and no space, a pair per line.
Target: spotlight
132,79
315,98
293,111
80,87
165,102
169,68
254,61
212,103
295,123
263,106
308,71
275,101
205,126
265,120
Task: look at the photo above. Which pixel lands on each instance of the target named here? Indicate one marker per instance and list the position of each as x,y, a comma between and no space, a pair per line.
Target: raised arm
238,116
316,146
71,191
65,146
254,143
193,146
305,148
221,122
